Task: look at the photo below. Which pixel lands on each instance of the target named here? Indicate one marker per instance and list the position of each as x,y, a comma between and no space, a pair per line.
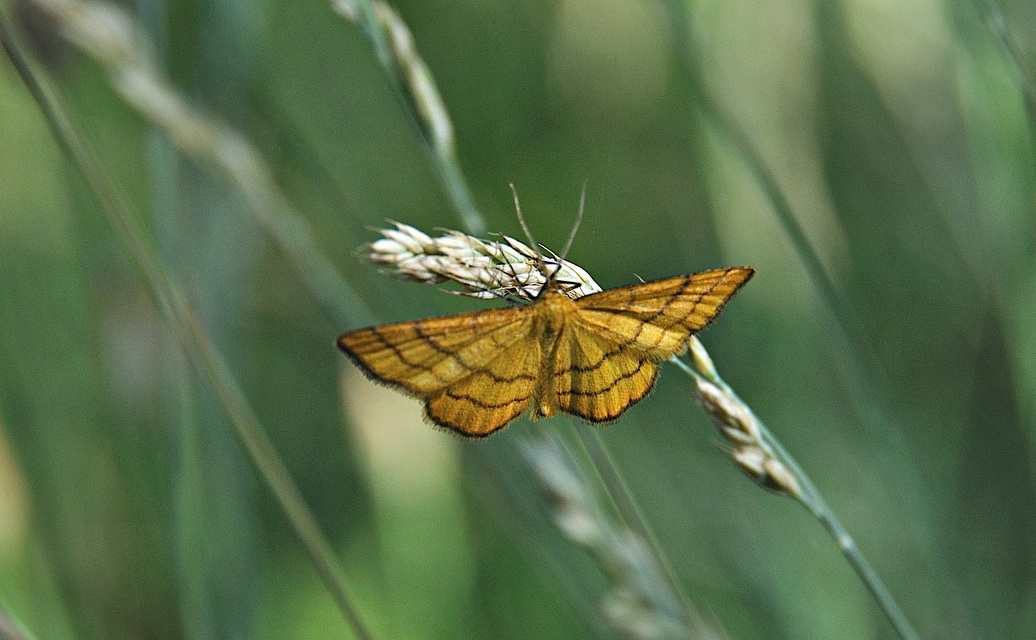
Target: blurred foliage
901,135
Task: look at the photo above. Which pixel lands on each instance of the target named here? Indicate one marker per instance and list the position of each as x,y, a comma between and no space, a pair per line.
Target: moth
593,357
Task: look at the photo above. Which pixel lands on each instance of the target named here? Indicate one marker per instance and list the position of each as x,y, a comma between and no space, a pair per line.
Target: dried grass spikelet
739,427
505,268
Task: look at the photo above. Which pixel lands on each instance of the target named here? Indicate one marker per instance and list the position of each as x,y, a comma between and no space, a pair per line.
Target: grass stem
193,340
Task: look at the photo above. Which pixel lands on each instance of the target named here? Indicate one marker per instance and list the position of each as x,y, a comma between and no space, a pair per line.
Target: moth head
550,267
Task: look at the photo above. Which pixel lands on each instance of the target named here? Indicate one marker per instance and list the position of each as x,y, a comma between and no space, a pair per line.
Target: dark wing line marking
620,347
430,341
694,306
611,417
626,342
424,339
376,332
467,433
687,280
455,354
377,377
399,355
403,384
484,369
609,387
662,310
482,403
495,378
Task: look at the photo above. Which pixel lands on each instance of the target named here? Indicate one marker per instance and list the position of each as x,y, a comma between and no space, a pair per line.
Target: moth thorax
555,308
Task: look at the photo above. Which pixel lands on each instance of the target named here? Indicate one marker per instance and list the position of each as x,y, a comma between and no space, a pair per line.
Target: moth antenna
521,221
575,227
540,259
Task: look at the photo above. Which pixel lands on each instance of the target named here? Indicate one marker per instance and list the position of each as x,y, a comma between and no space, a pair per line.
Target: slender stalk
193,340
112,39
618,489
416,90
642,602
729,129
800,487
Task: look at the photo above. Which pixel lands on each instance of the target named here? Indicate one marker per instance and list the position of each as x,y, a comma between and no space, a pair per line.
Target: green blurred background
899,134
